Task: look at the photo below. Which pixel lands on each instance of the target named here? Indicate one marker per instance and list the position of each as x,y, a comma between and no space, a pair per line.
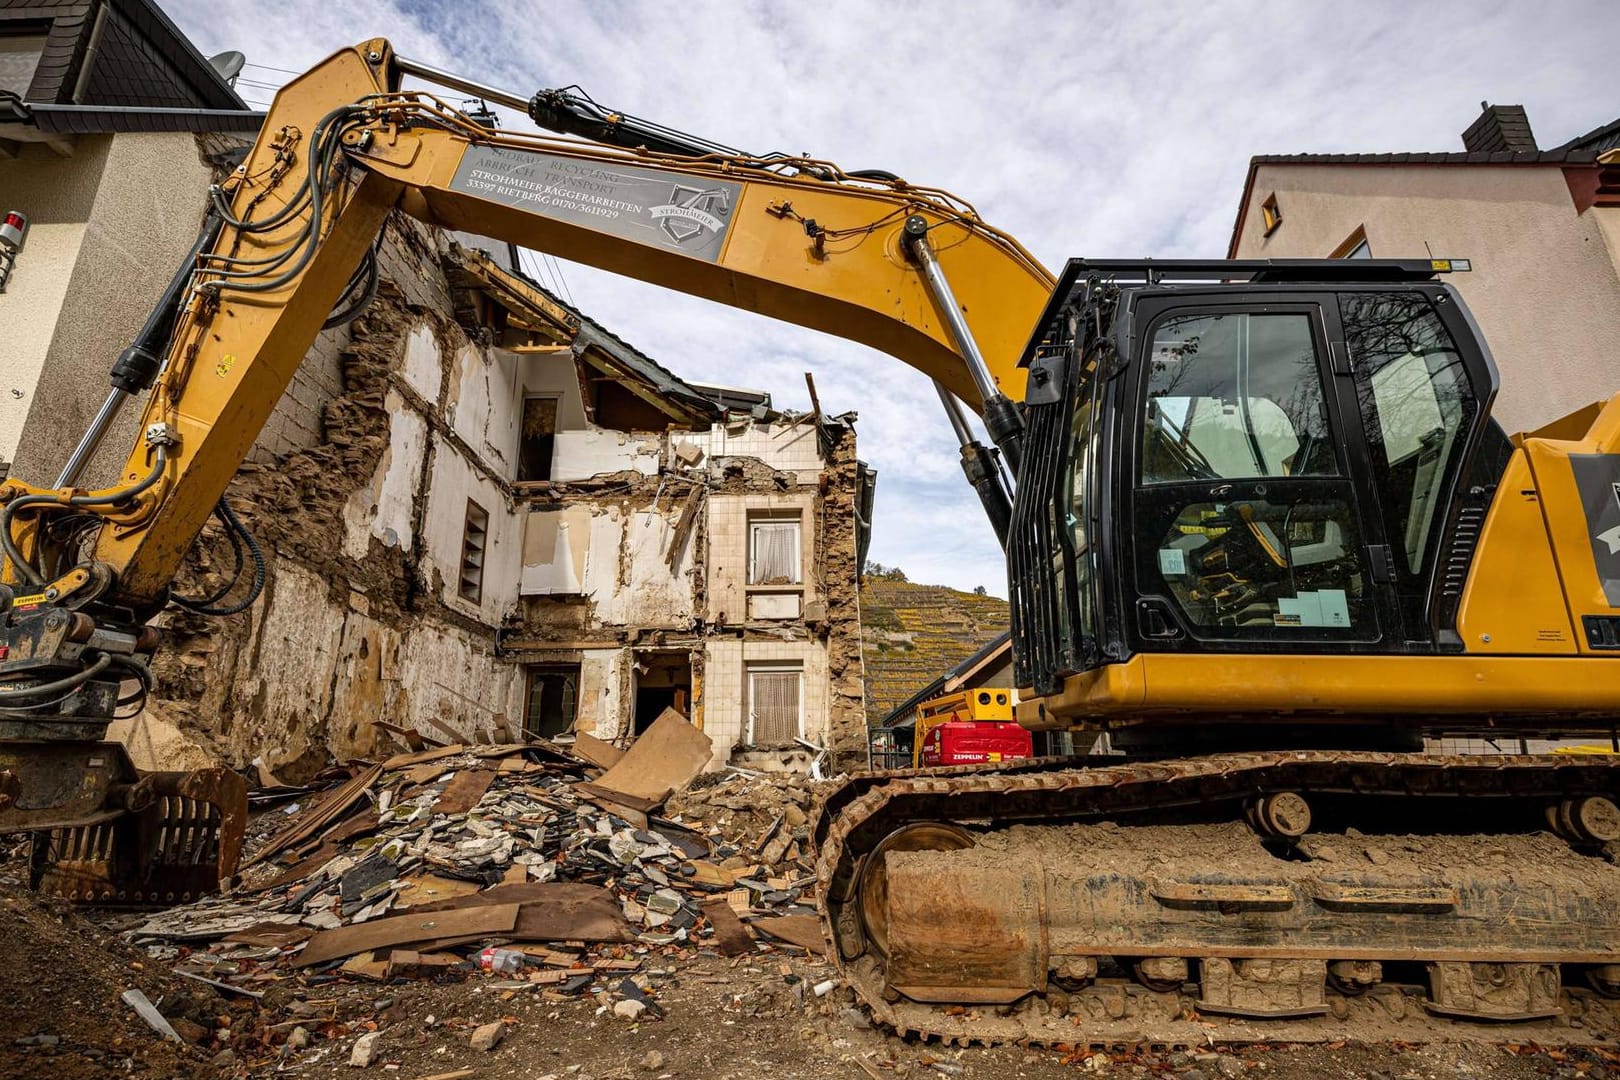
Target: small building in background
1541,229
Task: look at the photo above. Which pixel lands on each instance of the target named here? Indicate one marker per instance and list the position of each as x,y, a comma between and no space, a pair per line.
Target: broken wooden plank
730,936
472,922
683,525
426,888
462,793
801,930
320,815
422,757
664,759
551,911
588,748
270,935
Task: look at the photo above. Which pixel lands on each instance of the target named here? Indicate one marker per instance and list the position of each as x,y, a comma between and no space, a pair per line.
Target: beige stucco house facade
1540,227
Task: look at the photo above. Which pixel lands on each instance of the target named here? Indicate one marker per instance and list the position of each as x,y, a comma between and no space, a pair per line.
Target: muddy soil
748,1019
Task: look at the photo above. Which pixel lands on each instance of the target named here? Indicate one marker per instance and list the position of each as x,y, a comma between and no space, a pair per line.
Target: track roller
1587,819
1282,815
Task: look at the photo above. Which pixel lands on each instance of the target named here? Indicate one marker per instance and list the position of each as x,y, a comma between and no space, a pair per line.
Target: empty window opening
663,681
538,438
773,550
775,705
474,544
553,700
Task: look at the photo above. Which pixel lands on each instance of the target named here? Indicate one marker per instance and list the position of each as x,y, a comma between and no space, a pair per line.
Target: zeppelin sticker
675,213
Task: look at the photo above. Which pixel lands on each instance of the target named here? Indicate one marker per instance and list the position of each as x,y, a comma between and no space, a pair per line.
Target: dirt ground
746,1019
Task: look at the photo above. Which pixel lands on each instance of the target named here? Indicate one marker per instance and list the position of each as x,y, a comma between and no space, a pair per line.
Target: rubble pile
536,868
766,815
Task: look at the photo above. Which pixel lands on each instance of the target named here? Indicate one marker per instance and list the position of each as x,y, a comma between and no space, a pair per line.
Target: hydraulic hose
78,678
8,511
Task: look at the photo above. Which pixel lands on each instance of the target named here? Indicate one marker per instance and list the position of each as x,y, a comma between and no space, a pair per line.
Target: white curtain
773,703
776,553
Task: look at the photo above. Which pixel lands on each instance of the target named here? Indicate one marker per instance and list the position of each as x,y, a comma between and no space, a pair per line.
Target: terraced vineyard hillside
911,634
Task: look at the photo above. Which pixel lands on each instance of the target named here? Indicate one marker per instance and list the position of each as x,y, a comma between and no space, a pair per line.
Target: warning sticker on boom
687,214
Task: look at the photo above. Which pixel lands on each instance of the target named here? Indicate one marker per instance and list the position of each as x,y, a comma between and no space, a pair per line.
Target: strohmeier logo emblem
692,211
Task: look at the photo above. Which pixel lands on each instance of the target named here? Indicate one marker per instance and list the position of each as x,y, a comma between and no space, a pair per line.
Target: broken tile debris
411,869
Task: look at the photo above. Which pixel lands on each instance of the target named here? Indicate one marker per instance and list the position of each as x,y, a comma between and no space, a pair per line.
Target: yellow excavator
1260,528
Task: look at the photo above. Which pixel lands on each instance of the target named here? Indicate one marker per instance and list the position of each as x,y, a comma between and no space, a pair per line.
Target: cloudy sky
1083,129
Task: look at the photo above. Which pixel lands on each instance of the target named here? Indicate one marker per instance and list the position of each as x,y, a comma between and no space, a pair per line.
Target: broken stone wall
362,626
632,559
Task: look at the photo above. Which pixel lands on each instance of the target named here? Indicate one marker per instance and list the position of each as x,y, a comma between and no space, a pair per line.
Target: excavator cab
1245,460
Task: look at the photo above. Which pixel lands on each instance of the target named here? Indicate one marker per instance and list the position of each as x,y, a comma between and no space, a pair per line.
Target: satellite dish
228,64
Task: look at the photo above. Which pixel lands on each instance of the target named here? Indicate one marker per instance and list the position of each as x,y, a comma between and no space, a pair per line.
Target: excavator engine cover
104,833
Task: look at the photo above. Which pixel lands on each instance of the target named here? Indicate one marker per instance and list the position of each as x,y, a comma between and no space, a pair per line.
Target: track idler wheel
1585,819
1281,815
872,882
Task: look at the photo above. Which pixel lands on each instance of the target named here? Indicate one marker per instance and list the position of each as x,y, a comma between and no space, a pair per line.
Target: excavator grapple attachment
106,834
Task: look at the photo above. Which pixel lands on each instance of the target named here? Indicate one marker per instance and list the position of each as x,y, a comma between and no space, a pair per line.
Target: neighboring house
484,513
104,110
1541,228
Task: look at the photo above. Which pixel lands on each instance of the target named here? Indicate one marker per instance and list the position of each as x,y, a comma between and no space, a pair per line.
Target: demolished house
489,517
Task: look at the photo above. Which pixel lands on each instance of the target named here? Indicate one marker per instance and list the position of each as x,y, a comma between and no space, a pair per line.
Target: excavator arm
289,246
793,239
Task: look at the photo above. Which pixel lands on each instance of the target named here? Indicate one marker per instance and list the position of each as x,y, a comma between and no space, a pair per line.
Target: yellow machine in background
969,727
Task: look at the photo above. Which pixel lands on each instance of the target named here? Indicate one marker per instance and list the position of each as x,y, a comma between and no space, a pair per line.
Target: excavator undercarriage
1279,895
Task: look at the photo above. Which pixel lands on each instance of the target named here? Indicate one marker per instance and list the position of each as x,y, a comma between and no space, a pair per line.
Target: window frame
1271,214
524,438
533,674
781,667
756,519
482,552
1356,241
1321,307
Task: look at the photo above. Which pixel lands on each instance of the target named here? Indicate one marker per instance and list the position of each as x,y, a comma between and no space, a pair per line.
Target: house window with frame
474,544
774,552
1271,213
1355,246
775,705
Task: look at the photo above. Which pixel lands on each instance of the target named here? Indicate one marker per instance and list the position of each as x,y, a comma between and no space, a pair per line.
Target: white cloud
1083,129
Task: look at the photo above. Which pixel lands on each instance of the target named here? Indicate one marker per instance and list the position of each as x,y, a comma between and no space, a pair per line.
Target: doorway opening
552,701
663,681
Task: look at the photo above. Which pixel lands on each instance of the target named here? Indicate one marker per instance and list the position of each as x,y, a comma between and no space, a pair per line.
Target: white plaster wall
601,692
615,560
452,482
421,364
580,455
454,687
383,508
485,406
1544,285
554,375
29,308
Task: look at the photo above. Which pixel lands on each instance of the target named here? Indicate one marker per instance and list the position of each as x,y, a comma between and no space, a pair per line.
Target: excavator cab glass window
1245,523
1234,394
1417,405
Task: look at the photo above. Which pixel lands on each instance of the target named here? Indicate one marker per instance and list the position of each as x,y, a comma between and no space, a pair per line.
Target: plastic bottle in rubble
501,961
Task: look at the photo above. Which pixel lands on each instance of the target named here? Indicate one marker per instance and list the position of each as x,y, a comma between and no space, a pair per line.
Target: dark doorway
539,437
663,681
552,701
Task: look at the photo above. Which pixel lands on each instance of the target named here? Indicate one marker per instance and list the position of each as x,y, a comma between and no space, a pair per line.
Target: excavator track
1299,896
